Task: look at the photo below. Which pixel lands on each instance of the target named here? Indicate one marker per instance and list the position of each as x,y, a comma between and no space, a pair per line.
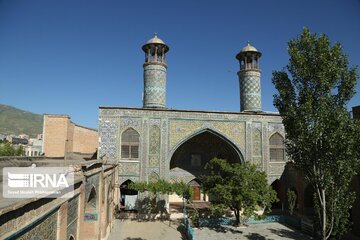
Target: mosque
156,142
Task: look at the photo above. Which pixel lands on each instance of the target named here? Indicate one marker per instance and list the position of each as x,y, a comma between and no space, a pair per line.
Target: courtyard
162,230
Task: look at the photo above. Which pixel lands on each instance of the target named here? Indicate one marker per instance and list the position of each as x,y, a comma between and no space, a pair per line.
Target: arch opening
193,154
279,187
128,197
189,159
91,202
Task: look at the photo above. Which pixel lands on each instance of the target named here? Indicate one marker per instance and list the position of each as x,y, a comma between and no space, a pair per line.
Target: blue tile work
212,222
107,133
42,229
154,86
250,133
72,216
250,90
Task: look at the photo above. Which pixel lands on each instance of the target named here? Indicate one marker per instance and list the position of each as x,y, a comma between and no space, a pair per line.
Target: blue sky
72,56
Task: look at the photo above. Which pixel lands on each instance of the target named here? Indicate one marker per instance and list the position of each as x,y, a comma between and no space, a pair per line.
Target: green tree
161,187
321,138
240,187
7,149
164,187
291,194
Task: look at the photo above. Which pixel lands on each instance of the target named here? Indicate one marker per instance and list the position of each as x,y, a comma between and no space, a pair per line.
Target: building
88,214
19,141
24,136
34,147
2,137
63,138
156,142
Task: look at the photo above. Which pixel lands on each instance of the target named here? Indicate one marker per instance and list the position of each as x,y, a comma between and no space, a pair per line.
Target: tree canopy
321,138
240,187
161,186
7,149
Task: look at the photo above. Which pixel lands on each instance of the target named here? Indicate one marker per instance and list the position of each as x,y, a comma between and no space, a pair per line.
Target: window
130,144
277,149
195,160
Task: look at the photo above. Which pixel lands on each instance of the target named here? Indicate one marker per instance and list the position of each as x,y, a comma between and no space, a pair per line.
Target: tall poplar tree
322,140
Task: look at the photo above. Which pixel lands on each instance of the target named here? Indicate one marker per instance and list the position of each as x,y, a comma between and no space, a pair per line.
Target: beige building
62,137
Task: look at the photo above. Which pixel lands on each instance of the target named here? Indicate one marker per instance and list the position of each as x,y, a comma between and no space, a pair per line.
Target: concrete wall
63,136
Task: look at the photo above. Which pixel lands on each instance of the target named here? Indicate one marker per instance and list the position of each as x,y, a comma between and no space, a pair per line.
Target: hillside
17,121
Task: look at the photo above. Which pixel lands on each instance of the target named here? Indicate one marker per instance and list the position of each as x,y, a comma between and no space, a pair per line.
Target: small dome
249,48
155,39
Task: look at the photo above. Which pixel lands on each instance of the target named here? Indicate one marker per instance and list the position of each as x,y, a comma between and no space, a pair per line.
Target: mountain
17,121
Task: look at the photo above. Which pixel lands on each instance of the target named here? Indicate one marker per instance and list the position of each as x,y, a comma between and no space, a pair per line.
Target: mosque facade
155,142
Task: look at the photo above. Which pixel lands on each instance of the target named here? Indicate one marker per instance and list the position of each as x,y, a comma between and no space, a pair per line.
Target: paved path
134,230
266,231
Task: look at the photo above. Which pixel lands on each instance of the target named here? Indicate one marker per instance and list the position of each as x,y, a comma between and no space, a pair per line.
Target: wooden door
196,193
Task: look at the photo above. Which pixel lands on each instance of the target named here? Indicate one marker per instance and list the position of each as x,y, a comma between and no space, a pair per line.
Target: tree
7,149
321,138
239,187
291,194
161,186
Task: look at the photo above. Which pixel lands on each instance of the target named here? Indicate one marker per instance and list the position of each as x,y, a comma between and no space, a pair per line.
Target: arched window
130,144
153,177
91,201
277,149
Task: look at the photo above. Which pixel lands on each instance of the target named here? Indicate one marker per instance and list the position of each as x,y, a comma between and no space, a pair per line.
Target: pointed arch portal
193,154
128,197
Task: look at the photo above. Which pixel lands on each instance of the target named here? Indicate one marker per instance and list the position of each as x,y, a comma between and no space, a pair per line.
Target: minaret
249,78
155,73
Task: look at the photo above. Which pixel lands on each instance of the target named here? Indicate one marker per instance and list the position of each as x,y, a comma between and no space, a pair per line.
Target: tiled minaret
155,73
249,78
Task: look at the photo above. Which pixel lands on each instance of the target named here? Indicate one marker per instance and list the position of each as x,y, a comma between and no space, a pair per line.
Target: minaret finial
155,34
248,42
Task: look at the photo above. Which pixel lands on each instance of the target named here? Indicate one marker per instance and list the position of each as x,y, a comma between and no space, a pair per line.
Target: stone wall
63,136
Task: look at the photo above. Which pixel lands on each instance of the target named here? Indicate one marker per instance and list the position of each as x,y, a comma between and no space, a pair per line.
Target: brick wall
85,140
55,135
61,218
61,135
